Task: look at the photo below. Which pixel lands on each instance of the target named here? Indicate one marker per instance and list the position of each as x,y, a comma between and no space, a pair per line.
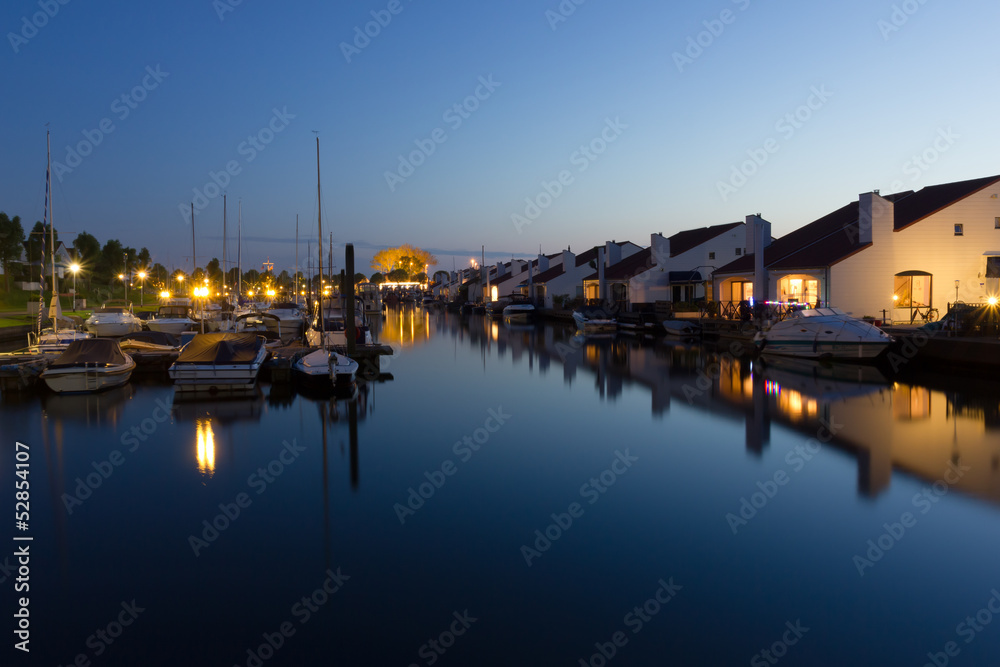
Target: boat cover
92,351
155,337
221,348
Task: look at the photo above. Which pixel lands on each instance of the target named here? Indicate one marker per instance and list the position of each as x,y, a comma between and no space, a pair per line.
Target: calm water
691,508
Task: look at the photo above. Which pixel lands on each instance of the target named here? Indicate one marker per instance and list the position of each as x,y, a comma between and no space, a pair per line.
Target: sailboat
324,366
53,340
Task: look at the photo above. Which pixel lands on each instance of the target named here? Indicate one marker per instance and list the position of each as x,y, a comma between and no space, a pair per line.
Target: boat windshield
820,312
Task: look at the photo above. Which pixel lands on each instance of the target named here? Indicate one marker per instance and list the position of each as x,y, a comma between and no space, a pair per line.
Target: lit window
958,229
711,255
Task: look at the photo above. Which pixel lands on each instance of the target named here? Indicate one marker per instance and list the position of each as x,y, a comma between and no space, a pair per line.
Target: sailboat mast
194,262
296,258
239,255
223,244
319,205
52,231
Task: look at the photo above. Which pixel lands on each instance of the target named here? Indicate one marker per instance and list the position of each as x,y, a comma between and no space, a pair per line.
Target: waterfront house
563,282
898,254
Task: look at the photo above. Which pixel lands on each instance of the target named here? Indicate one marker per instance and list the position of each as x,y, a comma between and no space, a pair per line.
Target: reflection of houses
899,252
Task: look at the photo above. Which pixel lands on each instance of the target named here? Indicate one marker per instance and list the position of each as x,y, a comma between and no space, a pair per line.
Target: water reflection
205,447
406,326
919,426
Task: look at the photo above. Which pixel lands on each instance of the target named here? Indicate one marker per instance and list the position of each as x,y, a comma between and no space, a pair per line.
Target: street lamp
142,281
74,267
121,277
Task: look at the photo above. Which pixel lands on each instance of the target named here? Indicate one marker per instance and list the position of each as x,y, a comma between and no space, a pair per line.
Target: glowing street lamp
121,277
74,267
142,283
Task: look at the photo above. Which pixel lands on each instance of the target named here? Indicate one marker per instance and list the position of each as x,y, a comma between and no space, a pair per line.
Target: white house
565,279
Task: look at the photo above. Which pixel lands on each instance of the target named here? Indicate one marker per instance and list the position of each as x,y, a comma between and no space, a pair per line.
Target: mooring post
347,290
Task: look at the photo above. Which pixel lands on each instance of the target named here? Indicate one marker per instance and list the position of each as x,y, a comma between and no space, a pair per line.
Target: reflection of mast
352,425
326,489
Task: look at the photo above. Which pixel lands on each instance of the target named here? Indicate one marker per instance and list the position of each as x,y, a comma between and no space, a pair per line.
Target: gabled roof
628,268
933,198
681,242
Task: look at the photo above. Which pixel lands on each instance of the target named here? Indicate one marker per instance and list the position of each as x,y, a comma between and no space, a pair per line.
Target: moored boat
681,328
219,361
326,369
113,319
89,365
286,321
172,319
823,333
594,319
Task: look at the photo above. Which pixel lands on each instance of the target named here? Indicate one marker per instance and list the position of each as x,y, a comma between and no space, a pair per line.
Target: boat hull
80,379
596,325
113,329
808,349
170,326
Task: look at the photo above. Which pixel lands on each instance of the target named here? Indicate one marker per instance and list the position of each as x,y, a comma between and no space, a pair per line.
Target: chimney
612,253
568,260
659,248
873,211
543,263
758,238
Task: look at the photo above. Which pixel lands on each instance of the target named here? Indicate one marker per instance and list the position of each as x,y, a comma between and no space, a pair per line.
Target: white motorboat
89,365
594,319
681,328
519,310
113,319
334,328
326,369
54,340
172,319
823,332
371,299
219,362
288,319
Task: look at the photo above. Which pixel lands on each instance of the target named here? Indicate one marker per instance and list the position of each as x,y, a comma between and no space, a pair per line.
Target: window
739,251
711,255
996,223
959,229
912,289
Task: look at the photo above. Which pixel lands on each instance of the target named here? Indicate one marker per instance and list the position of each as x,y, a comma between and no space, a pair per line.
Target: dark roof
628,267
681,242
933,198
675,277
549,274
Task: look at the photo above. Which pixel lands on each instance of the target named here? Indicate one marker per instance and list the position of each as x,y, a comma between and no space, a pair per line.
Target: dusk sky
657,117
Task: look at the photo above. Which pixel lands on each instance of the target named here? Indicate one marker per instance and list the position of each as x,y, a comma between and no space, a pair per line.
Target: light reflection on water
708,426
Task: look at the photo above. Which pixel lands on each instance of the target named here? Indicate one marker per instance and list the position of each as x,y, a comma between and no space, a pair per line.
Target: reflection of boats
89,365
113,319
173,319
326,368
519,311
222,410
495,308
681,328
594,319
823,380
89,408
219,361
823,332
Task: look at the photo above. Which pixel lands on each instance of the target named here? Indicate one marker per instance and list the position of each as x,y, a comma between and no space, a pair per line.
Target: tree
38,241
158,273
377,278
406,256
112,262
143,258
11,238
397,275
360,278
214,272
420,277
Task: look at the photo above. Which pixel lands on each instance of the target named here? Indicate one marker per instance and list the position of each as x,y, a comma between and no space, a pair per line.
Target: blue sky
656,117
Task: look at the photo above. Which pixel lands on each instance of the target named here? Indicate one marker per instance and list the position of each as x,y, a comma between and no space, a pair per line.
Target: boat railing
744,311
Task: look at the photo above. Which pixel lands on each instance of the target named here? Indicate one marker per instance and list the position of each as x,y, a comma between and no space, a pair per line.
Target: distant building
565,279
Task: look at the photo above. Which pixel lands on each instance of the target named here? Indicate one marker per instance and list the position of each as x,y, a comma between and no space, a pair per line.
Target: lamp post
121,277
957,282
142,283
74,267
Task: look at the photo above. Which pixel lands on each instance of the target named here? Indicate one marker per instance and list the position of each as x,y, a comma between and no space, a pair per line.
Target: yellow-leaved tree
411,259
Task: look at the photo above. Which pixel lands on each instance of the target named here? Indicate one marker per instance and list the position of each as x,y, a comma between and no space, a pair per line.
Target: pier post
347,291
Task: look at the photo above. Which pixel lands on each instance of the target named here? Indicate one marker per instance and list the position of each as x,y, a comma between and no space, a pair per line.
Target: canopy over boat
92,352
221,348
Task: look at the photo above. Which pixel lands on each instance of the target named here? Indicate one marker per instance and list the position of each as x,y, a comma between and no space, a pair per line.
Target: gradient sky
894,86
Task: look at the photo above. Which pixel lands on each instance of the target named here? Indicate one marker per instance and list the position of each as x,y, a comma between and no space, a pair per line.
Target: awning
677,277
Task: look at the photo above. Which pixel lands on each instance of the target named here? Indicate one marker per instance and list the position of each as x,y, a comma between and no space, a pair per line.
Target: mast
52,232
486,295
319,206
239,256
223,244
296,258
194,262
